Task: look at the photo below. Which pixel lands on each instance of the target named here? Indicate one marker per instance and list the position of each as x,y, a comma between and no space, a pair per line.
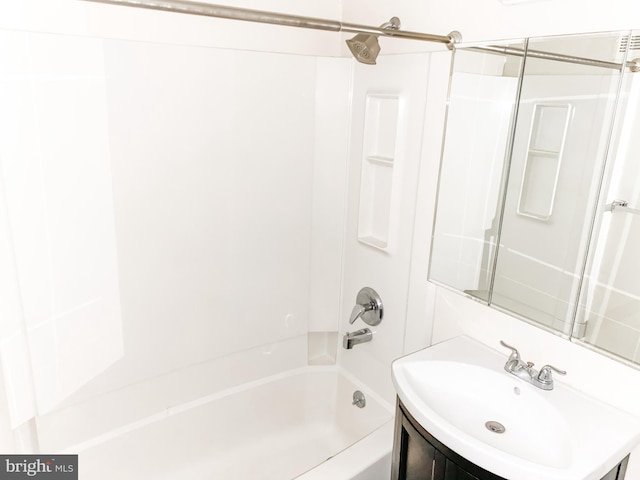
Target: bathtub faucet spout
351,339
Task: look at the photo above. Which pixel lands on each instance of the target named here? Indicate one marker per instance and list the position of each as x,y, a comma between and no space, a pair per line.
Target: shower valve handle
358,311
368,307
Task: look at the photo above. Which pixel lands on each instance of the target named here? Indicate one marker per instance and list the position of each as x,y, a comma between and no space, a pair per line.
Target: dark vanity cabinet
417,455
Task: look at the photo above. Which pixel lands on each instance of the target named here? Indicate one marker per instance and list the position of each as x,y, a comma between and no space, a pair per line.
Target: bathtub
300,424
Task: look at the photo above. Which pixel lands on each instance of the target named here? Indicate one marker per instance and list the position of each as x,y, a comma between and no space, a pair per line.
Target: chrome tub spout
351,339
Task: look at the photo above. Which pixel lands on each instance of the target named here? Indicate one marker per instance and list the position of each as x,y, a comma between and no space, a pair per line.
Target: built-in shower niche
322,348
376,187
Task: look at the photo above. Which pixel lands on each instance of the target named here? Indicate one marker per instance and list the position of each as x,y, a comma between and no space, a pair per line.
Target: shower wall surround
232,188
206,271
58,220
332,127
190,176
210,161
393,96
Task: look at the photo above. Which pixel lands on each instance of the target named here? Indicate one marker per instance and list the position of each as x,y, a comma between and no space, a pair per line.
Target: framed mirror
537,138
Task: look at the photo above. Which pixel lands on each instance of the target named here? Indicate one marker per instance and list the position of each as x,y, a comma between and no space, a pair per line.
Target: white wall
75,17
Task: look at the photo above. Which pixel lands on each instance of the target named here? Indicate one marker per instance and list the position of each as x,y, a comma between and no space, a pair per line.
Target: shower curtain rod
633,65
234,13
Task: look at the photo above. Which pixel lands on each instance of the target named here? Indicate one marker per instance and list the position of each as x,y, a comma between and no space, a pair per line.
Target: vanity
418,455
461,415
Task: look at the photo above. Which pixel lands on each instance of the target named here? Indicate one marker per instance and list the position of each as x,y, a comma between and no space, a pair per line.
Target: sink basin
469,396
459,392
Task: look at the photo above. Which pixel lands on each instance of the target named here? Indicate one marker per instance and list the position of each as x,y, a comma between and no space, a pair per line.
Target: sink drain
495,427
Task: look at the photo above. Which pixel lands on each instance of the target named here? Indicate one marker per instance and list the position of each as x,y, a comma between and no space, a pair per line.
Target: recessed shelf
376,186
384,161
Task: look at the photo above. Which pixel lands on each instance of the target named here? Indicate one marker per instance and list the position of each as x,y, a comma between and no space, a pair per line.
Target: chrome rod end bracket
394,23
616,203
635,65
455,37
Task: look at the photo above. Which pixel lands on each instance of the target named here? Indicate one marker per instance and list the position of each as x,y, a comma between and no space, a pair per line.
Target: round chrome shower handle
368,307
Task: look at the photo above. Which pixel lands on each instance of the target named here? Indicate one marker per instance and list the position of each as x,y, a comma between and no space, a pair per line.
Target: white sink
454,388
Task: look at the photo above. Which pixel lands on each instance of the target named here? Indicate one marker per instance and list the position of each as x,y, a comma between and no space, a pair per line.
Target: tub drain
495,427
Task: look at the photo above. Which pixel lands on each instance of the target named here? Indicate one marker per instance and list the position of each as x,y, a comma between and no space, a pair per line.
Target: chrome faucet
369,309
354,338
542,379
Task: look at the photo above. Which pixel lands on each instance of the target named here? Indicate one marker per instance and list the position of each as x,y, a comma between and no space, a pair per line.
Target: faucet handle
515,355
545,375
357,312
368,307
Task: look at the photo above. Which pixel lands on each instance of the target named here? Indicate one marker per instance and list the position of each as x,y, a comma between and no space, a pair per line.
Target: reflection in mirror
482,101
526,217
608,316
559,146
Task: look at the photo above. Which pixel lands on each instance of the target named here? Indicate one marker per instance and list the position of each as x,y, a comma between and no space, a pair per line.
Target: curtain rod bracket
455,37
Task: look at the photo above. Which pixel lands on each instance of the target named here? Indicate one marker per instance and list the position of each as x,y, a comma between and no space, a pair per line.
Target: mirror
482,93
537,139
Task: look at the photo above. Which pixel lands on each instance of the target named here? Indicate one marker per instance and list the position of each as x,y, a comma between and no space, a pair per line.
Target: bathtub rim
170,411
364,459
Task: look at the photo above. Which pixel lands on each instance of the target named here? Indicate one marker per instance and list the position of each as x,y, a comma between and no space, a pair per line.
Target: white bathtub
300,424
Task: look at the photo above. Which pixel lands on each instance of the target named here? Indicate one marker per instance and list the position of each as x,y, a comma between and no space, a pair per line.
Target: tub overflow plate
495,427
358,399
